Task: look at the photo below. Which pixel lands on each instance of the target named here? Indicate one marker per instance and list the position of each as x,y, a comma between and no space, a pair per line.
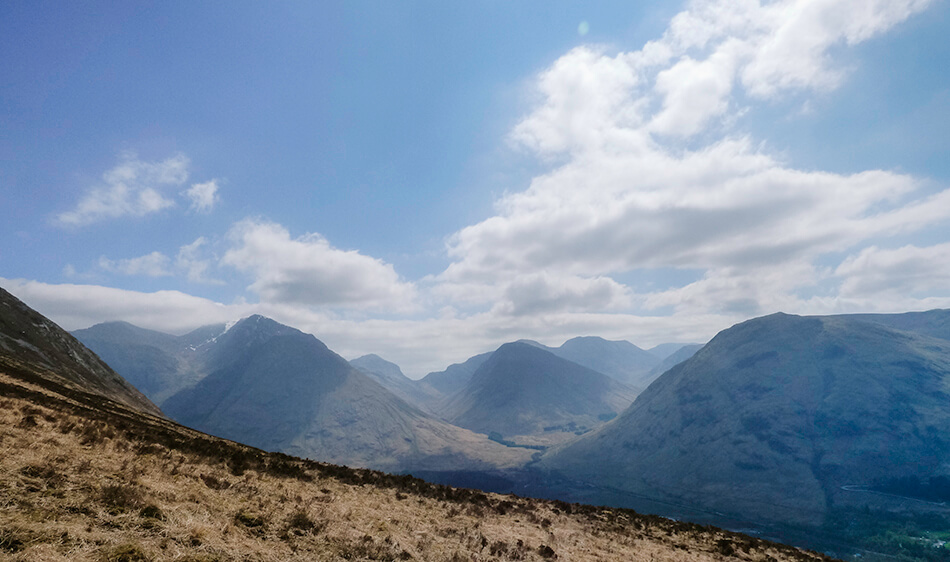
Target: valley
824,432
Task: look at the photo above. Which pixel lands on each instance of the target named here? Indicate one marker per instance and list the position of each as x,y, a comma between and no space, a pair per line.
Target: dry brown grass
81,489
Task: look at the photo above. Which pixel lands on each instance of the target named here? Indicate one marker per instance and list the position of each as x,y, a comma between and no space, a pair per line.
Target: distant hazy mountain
455,376
682,353
781,418
620,360
30,340
158,364
664,350
523,389
392,378
280,389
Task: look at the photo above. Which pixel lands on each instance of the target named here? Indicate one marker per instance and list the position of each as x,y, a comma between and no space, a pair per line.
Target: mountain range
90,472
784,418
526,390
831,423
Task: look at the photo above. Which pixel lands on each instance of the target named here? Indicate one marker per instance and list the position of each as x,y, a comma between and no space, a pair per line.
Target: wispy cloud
195,266
155,264
203,196
132,188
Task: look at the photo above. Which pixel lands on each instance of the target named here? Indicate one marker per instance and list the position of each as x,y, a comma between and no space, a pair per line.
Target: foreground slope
526,390
27,337
781,418
283,390
87,479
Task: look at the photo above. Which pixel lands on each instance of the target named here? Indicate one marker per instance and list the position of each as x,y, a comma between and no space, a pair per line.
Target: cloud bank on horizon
647,174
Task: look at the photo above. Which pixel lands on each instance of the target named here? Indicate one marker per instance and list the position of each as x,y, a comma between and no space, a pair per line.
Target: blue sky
427,180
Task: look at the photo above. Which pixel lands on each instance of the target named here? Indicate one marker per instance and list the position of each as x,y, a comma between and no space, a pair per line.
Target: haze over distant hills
158,364
274,387
776,417
455,376
390,376
524,389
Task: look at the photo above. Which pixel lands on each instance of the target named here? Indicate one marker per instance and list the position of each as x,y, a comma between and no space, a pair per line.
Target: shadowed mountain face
523,389
775,415
29,338
683,353
455,376
158,364
392,378
933,323
277,388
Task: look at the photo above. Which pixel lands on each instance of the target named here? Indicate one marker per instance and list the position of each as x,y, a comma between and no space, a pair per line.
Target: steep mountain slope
280,389
620,360
455,376
29,338
391,377
780,418
933,323
683,353
525,390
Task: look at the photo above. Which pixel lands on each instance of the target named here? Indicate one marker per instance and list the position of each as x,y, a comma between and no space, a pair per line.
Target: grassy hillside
87,479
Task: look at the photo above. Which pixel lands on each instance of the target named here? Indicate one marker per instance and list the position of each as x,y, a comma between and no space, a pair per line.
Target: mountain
455,376
682,353
933,323
158,364
783,418
525,390
664,350
29,341
391,377
620,360
280,389
91,480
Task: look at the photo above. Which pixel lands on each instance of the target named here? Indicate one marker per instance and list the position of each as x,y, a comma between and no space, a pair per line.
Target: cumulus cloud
155,264
908,271
540,293
80,306
132,188
203,196
309,271
626,196
418,346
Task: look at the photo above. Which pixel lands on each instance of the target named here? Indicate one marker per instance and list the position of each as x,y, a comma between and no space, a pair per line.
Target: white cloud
189,260
309,271
203,196
418,346
542,293
909,271
155,264
132,188
80,306
627,196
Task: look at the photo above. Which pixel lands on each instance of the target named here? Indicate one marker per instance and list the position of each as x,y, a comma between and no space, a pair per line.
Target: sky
428,180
